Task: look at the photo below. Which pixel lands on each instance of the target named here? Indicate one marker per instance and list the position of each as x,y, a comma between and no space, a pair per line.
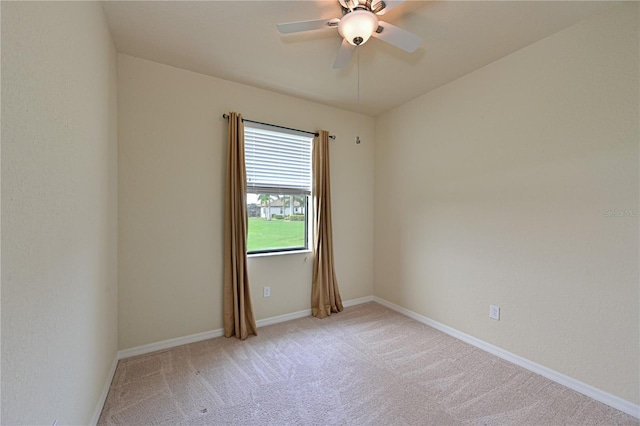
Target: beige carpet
365,366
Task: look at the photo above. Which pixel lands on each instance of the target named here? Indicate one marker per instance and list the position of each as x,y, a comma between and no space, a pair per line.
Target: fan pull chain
358,94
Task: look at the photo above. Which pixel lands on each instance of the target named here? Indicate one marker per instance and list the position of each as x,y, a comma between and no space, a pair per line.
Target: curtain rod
225,116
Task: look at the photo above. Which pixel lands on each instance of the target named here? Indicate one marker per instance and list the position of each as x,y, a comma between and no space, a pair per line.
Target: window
278,163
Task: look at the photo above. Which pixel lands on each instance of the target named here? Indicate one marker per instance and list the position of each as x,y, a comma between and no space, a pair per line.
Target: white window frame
278,161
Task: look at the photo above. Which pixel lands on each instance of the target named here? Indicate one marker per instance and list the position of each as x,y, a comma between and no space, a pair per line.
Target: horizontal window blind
278,161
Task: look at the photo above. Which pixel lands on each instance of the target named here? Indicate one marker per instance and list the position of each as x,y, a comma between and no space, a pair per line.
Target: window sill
279,253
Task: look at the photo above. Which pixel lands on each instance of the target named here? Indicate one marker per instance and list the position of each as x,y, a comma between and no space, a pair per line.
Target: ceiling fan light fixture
356,27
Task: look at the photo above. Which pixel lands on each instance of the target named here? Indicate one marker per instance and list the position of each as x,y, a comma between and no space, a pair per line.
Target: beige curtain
325,296
238,313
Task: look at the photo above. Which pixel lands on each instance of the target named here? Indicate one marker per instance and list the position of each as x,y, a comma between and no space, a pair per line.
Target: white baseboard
585,389
105,391
170,343
359,301
307,312
282,318
178,341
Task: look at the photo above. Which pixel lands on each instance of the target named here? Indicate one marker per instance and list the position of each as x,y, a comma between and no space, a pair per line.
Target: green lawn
274,234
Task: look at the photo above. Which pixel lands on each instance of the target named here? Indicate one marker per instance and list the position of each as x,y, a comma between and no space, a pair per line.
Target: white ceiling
238,41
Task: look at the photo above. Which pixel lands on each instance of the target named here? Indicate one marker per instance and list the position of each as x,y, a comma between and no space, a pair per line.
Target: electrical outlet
266,291
494,312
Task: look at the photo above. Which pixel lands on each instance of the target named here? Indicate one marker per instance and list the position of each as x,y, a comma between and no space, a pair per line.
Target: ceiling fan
359,22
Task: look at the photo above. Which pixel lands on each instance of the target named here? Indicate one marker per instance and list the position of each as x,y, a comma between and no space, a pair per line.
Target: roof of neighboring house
279,203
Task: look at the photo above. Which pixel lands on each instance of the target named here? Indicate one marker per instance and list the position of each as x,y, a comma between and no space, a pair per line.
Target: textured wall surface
172,156
59,226
517,185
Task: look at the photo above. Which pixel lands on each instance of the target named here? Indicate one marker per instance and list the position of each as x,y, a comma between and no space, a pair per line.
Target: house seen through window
278,164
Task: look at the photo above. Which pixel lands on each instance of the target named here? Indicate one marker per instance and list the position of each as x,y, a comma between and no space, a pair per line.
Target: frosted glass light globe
357,26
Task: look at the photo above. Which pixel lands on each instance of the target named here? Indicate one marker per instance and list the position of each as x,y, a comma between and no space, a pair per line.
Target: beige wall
172,154
494,189
59,226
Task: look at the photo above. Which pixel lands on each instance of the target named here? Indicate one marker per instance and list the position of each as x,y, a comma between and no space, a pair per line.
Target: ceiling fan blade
380,7
348,4
398,37
344,54
317,24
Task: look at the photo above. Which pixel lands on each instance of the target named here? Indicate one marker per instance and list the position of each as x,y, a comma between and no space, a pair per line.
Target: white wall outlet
494,312
266,291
